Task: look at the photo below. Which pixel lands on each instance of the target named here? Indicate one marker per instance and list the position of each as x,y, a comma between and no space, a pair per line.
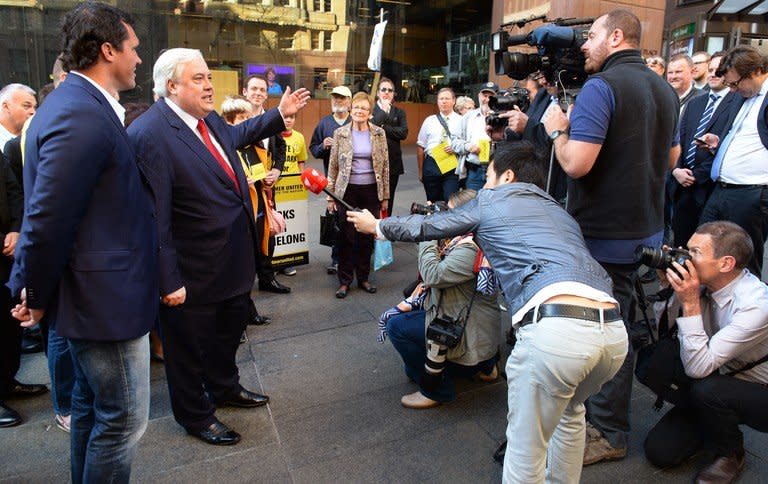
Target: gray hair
168,67
7,91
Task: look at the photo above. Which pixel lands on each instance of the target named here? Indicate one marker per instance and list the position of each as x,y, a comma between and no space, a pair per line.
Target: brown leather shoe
598,449
724,470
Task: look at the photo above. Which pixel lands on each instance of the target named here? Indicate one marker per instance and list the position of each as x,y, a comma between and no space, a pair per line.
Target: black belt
733,185
472,166
570,311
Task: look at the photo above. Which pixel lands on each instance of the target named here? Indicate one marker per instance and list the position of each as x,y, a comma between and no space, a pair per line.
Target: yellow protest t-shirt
295,152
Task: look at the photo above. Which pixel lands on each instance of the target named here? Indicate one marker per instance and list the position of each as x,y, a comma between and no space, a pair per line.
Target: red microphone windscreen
313,180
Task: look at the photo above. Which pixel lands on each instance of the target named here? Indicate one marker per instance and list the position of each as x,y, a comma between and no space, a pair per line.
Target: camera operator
570,337
467,143
622,141
528,126
448,271
723,329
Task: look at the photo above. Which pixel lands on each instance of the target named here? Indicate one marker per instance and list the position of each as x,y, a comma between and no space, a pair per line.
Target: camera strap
445,125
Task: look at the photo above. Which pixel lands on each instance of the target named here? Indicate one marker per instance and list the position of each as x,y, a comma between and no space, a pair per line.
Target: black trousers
200,343
355,249
393,179
608,410
10,341
747,207
688,205
719,404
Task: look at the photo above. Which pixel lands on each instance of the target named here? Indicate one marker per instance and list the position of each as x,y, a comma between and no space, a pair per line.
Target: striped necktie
690,155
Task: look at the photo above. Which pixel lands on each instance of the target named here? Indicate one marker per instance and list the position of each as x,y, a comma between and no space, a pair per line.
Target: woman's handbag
329,229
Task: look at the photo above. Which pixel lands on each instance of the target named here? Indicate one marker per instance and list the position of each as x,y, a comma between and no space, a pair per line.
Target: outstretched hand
364,221
293,101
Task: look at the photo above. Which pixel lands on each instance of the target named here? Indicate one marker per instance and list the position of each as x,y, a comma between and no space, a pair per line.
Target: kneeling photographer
570,336
462,324
723,335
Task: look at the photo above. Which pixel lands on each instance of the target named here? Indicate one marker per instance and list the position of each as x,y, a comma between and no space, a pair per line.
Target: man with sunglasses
740,167
392,120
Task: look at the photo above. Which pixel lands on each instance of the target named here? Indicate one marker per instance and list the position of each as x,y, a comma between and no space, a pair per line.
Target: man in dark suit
88,249
740,166
693,185
392,120
208,244
11,212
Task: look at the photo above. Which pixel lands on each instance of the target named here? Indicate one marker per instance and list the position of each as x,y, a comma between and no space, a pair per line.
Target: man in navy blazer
740,166
693,185
207,232
87,249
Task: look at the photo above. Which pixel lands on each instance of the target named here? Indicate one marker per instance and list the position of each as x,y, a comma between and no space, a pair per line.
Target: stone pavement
335,414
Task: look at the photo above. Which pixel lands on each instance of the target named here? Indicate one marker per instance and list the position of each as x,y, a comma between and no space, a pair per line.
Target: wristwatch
554,134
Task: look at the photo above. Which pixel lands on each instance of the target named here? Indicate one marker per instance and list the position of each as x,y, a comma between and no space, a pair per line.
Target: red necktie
216,154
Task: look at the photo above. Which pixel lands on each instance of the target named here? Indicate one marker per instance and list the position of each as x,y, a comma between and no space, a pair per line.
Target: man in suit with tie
740,167
208,238
88,245
693,185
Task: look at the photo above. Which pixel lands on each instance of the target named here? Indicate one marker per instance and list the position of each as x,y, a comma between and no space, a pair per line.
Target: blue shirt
590,119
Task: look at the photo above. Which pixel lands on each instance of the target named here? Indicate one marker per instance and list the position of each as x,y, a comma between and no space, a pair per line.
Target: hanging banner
292,201
374,58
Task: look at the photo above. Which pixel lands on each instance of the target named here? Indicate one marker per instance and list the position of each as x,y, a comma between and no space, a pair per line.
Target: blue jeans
110,407
62,372
475,176
408,336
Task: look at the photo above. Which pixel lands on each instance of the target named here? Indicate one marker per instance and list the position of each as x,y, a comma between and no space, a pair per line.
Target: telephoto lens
432,376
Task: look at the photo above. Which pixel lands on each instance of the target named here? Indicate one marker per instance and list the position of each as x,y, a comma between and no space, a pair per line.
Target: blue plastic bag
382,254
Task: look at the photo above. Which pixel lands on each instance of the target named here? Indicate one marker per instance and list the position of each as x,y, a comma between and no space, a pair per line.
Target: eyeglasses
361,108
386,89
733,85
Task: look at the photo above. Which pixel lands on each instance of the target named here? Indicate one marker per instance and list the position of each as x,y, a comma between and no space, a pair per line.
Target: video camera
506,101
559,55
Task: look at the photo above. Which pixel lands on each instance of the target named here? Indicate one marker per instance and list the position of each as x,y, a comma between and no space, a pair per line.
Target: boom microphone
316,183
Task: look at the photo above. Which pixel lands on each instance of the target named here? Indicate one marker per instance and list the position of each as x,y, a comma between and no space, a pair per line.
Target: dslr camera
428,209
445,331
506,101
661,258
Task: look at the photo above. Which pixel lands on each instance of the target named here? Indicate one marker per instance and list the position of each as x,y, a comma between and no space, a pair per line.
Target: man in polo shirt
622,142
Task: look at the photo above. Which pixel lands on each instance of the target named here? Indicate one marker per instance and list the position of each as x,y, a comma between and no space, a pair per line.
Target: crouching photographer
462,334
723,335
570,336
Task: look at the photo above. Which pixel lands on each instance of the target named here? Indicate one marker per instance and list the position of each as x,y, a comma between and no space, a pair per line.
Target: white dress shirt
432,132
473,130
746,161
116,106
730,332
191,121
5,136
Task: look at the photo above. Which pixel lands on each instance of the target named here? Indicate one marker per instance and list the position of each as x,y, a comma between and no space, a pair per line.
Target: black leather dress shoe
8,416
246,399
17,389
217,434
259,320
273,286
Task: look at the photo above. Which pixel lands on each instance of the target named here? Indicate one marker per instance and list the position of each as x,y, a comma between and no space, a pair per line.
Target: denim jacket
530,241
